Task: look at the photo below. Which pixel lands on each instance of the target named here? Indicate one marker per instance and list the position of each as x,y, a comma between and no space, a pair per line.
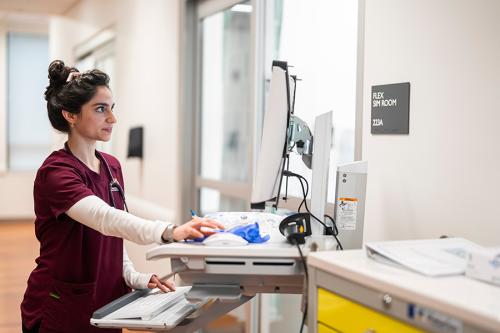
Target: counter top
469,300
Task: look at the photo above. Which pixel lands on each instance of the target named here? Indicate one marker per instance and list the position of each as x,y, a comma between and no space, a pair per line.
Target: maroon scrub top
79,269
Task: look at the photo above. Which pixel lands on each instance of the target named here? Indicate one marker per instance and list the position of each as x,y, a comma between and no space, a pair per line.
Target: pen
193,213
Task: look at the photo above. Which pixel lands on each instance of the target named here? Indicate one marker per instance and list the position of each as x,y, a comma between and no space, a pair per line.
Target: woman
80,221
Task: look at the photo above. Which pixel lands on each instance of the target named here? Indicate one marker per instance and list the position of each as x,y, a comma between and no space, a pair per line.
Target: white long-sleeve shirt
93,212
134,279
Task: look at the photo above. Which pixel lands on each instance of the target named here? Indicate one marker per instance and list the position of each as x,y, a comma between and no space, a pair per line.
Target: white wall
16,196
146,81
444,177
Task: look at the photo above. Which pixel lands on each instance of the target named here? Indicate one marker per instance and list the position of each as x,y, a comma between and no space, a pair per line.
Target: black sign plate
391,108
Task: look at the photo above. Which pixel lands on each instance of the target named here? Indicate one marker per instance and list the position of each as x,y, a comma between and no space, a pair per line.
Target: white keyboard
176,313
149,306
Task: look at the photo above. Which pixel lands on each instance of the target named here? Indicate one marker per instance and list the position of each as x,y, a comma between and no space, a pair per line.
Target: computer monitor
273,147
323,141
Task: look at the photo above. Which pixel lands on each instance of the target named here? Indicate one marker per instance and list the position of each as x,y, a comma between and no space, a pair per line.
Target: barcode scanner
296,228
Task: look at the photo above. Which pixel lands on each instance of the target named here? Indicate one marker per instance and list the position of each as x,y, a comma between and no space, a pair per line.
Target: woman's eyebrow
103,104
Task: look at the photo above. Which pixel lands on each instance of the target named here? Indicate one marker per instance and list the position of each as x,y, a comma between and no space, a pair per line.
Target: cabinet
341,314
351,293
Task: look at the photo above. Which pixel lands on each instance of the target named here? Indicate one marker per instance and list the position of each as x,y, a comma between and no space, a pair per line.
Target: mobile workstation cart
222,278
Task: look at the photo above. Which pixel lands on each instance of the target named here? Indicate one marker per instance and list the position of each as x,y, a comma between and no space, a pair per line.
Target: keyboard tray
182,317
119,313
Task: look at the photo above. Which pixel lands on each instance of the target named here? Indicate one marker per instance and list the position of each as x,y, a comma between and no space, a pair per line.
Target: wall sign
391,108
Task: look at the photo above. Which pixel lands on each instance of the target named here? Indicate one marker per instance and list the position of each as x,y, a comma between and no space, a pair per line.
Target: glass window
224,111
225,95
29,132
213,201
323,52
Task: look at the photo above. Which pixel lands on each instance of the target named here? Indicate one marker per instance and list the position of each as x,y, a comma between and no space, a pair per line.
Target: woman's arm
134,279
93,212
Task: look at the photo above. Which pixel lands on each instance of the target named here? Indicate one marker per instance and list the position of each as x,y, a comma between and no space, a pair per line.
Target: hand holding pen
196,228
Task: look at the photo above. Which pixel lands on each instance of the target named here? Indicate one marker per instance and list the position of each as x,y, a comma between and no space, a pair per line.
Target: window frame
190,114
190,55
189,83
16,24
3,97
193,12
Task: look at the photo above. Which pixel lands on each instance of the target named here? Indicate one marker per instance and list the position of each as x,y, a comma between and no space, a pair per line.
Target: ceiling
52,7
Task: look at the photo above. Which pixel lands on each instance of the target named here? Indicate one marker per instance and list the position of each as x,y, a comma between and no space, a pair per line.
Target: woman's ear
70,117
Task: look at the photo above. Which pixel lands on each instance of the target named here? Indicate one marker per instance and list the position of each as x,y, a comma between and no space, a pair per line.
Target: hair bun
58,73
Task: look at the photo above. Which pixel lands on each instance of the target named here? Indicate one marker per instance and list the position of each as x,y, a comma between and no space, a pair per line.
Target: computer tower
349,210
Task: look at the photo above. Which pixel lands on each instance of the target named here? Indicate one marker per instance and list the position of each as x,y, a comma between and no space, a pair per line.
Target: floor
18,250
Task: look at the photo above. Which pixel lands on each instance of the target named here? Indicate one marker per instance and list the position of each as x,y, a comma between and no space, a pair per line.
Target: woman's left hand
165,286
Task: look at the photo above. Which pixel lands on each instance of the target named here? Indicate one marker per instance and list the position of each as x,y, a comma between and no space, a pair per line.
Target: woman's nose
111,118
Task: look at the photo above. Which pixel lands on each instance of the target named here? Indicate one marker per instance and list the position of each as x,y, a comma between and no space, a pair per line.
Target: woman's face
96,119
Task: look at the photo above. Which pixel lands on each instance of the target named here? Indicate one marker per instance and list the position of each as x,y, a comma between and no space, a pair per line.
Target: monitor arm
299,137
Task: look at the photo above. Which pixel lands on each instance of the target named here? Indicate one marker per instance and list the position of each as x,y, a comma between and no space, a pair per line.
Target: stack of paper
431,257
484,265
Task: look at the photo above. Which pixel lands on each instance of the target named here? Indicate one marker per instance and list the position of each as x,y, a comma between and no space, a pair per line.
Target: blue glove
250,232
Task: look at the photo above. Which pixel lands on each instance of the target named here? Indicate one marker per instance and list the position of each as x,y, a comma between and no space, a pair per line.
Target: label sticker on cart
434,320
347,213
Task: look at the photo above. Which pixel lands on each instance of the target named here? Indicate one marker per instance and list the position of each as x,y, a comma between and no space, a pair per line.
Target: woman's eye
100,109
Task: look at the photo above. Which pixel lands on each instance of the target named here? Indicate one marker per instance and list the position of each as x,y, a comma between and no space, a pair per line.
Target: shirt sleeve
134,279
93,212
62,186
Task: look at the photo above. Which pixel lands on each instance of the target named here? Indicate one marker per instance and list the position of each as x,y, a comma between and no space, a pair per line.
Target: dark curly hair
70,96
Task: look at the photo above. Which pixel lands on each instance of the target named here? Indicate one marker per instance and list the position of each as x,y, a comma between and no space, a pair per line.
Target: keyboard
176,313
149,306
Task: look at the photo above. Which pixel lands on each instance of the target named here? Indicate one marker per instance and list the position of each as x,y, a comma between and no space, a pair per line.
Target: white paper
431,257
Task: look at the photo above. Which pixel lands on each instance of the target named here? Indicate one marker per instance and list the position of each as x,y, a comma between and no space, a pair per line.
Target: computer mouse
224,239
209,230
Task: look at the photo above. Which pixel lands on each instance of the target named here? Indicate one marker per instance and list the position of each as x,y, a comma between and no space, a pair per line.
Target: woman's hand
193,228
165,286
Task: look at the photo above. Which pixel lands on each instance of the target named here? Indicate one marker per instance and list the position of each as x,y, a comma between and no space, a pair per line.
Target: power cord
303,260
330,230
335,232
304,194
